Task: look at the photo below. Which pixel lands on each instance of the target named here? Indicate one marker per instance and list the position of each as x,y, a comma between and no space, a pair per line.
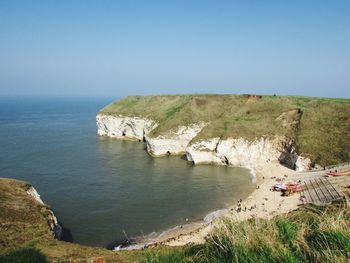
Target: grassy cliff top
320,127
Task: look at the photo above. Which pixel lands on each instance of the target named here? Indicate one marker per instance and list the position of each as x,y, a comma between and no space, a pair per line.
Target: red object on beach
99,260
338,173
294,187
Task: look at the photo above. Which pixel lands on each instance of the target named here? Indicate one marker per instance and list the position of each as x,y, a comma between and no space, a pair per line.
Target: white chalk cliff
241,152
55,228
174,142
124,127
230,151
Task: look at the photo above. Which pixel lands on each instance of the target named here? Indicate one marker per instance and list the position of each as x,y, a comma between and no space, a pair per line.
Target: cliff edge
238,130
28,228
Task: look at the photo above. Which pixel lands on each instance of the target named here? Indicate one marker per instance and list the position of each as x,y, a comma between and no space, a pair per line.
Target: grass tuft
288,231
333,240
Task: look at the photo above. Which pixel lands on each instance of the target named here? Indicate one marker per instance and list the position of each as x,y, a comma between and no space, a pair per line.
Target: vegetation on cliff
319,127
25,235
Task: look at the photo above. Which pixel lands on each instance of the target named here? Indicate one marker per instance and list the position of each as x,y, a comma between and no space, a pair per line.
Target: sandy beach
262,203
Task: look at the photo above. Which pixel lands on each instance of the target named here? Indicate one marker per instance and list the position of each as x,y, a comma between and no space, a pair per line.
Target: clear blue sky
117,48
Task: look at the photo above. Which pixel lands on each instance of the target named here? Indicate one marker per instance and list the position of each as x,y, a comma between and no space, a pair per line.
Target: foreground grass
23,255
319,127
306,235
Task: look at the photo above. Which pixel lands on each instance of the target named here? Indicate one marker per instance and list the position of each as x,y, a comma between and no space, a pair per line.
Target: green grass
169,255
320,127
305,235
287,230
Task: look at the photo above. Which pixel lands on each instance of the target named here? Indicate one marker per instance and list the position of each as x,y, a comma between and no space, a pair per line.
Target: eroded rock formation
229,151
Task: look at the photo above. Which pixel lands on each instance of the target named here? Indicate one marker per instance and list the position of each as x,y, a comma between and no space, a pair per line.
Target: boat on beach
332,174
288,188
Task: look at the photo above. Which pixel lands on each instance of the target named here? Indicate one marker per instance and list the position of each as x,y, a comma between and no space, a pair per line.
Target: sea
102,190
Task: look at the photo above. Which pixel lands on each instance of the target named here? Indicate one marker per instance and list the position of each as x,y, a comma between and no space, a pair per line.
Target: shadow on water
183,157
66,234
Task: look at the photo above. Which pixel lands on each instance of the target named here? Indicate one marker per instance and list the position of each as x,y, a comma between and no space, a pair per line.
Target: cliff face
175,142
24,217
241,152
230,151
124,127
55,228
27,226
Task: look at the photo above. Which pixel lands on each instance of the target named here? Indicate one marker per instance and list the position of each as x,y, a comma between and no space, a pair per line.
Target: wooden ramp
320,191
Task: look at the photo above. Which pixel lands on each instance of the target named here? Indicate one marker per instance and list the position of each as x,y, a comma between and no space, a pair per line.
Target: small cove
104,189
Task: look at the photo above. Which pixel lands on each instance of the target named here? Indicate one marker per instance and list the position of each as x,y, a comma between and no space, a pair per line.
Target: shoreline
261,203
178,230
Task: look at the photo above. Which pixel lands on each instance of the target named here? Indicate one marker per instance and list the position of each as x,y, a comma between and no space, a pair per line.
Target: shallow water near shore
103,189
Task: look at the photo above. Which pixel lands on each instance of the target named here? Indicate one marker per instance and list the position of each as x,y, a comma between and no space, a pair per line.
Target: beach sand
262,203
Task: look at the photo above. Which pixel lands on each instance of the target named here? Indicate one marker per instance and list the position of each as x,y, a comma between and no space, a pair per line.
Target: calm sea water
100,188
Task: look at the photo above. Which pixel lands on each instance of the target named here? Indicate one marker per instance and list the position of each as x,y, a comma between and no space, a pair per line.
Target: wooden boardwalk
320,191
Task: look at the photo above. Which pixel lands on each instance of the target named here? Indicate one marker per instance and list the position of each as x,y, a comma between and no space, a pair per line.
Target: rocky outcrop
241,152
174,142
124,127
230,151
303,164
205,152
33,193
51,218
